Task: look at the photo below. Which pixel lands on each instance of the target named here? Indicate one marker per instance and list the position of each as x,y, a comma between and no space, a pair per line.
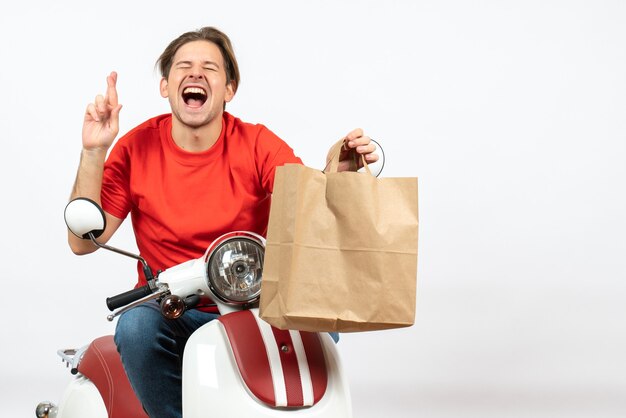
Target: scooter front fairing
284,377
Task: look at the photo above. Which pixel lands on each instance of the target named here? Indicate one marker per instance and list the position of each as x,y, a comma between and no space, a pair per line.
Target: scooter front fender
213,385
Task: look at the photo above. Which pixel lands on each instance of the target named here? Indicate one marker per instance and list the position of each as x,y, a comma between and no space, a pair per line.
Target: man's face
196,86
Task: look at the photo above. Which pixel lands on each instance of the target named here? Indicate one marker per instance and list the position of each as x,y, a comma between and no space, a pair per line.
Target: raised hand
101,123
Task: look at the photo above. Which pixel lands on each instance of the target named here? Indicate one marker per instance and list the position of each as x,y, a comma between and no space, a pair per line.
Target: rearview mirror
84,216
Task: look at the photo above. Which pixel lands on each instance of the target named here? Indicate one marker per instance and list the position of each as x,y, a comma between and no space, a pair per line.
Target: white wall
512,115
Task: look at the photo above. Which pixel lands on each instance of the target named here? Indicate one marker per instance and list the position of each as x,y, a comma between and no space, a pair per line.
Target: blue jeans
151,348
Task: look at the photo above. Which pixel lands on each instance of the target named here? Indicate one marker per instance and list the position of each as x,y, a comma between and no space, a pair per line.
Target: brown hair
209,34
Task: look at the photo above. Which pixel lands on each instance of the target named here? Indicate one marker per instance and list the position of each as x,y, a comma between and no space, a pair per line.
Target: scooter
236,366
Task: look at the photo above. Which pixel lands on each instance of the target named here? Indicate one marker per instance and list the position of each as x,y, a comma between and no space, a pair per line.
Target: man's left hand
355,141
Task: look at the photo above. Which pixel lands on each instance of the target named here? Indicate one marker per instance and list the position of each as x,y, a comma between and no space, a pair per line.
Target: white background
511,113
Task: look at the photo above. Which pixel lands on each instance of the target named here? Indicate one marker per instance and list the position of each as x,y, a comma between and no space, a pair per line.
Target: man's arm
100,127
355,141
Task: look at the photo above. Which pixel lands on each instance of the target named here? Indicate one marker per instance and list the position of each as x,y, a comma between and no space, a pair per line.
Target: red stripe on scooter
291,371
317,363
249,350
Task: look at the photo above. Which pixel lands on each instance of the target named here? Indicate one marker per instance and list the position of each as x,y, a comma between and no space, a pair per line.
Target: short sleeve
272,152
115,193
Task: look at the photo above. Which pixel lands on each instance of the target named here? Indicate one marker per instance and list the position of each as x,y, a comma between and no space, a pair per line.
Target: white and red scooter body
214,382
235,366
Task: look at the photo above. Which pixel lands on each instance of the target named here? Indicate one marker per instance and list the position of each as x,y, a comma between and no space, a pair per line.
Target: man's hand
101,123
357,142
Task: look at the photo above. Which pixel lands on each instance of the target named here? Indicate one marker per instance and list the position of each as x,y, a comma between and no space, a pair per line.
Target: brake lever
163,291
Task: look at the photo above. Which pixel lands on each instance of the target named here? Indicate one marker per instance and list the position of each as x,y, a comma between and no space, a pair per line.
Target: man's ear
230,92
163,87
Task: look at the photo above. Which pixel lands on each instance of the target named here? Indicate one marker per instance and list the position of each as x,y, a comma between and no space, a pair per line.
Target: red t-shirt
181,201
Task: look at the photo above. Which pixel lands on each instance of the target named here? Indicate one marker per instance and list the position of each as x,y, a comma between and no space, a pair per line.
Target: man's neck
196,139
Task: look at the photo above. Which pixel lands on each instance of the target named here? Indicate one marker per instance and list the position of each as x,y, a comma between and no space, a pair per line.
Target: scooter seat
281,368
102,365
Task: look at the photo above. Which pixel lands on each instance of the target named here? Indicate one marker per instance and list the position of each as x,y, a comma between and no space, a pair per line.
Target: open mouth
194,96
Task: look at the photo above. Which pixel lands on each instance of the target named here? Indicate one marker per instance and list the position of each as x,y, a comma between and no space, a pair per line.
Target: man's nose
195,74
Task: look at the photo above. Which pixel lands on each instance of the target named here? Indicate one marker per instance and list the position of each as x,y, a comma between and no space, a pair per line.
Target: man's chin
196,121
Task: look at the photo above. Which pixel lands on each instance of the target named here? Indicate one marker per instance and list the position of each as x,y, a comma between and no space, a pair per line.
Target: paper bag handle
333,162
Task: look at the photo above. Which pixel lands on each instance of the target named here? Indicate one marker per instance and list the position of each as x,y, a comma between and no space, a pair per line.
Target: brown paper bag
341,251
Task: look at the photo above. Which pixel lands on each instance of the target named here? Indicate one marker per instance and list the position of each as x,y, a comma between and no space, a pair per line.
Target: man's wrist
94,153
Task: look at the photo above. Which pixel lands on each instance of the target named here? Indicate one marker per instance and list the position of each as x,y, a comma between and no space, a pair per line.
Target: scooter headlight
235,267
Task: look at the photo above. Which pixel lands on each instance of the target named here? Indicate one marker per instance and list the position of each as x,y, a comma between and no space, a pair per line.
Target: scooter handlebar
130,296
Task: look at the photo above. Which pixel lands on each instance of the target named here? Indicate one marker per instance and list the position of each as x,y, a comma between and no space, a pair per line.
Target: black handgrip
125,298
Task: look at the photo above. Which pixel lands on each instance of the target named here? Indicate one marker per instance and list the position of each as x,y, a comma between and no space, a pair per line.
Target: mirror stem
146,269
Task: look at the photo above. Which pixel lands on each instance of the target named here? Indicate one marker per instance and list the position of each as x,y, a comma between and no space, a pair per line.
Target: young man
185,178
